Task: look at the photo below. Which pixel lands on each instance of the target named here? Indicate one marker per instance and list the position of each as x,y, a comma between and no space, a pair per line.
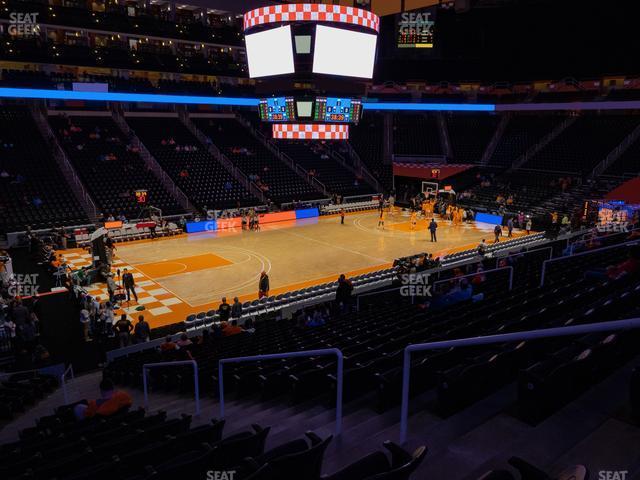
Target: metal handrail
437,270
64,384
376,292
492,339
544,264
196,382
480,273
276,356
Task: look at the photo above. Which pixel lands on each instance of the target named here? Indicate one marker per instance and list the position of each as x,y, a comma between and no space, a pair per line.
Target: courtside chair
200,319
190,321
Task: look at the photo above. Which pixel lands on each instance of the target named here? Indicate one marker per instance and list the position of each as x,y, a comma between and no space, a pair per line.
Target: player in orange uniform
413,220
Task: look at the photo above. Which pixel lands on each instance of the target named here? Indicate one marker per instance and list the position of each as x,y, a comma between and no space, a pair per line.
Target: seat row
135,445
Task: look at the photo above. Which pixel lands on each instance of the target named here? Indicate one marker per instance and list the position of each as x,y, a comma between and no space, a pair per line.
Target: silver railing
475,274
434,271
360,166
63,382
276,356
492,339
559,259
62,159
151,162
540,144
277,151
196,382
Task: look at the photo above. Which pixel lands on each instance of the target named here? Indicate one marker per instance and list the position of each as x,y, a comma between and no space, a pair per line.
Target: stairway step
614,446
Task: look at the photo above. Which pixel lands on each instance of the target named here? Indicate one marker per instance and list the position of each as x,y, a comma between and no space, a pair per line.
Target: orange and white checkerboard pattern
310,131
157,300
311,12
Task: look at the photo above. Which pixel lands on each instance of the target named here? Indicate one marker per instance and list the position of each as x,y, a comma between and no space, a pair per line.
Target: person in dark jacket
236,308
129,284
123,328
142,331
263,285
343,293
433,226
224,310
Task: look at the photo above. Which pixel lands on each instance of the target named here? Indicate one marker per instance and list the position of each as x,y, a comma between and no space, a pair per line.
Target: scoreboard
415,29
277,109
141,196
318,109
337,110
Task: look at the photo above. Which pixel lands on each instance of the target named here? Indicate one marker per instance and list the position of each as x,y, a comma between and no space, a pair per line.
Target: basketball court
187,274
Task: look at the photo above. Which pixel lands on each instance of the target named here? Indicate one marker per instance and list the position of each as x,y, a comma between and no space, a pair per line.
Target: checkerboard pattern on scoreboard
311,12
156,300
310,131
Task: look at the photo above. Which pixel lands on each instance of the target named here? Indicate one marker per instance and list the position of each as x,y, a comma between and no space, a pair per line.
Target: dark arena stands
334,240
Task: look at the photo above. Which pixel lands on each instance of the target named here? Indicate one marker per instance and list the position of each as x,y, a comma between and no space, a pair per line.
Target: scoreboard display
337,110
318,109
277,109
141,196
415,29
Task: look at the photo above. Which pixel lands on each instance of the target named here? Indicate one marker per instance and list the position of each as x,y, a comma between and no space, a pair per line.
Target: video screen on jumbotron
270,52
416,29
277,109
344,52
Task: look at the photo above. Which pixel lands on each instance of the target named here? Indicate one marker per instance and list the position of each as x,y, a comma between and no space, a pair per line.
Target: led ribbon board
310,131
311,12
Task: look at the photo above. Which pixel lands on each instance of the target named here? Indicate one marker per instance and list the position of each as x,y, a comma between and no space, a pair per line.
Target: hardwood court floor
191,273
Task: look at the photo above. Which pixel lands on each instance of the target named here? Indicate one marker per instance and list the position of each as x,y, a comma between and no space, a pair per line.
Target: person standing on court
510,227
381,219
497,232
111,248
111,287
129,284
342,216
263,285
433,226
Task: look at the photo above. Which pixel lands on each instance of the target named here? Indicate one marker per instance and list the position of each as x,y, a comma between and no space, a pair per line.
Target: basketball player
497,232
342,216
381,218
263,285
414,219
